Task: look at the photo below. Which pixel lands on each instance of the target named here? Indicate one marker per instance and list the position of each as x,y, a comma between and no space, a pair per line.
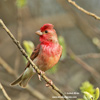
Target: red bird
45,55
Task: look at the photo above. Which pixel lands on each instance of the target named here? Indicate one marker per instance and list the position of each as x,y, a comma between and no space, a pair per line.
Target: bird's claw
39,76
49,84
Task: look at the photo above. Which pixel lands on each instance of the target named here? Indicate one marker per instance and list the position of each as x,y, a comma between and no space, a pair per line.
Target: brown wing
34,54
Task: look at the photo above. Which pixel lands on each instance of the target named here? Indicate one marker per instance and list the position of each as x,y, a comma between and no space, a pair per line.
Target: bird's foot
39,76
49,84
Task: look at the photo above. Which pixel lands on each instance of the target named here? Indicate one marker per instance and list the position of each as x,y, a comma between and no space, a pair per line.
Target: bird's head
47,33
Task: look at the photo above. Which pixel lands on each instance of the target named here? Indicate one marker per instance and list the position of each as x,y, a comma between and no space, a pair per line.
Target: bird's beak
39,32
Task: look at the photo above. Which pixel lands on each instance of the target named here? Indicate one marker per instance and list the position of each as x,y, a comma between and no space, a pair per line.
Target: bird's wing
34,54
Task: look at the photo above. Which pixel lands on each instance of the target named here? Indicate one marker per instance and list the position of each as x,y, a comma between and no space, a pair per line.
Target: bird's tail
23,79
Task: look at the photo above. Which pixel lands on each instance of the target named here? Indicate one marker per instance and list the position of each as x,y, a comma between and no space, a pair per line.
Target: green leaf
29,47
21,3
96,93
63,44
89,92
53,69
88,96
87,87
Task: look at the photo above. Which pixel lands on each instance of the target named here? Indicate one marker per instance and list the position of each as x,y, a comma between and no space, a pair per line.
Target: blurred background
78,33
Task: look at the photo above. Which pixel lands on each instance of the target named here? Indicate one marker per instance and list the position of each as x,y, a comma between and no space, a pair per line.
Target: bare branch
4,92
31,62
84,65
90,55
83,10
11,71
7,67
36,93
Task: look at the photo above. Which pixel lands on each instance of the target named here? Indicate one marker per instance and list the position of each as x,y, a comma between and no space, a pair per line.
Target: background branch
4,92
83,10
31,62
90,55
11,71
84,65
7,67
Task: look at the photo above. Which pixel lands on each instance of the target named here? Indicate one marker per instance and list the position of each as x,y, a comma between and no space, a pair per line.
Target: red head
46,26
47,34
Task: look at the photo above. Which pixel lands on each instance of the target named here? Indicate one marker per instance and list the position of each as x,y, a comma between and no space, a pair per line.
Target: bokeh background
80,32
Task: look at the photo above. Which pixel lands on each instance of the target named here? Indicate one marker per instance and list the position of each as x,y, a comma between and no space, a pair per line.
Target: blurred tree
21,3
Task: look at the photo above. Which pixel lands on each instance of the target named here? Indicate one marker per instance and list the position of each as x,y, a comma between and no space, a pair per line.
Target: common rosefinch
45,55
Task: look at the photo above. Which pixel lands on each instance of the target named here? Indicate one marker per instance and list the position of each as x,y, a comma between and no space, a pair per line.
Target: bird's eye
46,31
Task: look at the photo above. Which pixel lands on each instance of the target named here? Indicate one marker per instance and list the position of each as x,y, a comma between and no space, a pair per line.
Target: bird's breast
48,56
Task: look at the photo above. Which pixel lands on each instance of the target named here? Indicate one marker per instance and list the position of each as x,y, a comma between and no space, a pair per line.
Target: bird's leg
39,76
50,83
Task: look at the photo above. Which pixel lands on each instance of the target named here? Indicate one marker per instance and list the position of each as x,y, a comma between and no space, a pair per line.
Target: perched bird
45,55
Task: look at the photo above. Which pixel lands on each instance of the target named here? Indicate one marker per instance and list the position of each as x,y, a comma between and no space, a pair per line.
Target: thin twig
83,10
4,92
83,64
11,71
31,62
6,84
90,55
7,67
36,93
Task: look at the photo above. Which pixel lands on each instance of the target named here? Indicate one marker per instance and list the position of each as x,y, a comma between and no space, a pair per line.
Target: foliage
21,3
29,47
96,41
63,44
89,92
53,69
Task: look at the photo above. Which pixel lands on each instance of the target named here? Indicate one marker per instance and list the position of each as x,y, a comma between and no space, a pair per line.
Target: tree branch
90,55
7,67
83,10
84,65
4,92
31,62
30,89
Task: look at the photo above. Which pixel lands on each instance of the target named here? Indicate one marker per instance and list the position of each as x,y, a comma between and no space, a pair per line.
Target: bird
44,56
